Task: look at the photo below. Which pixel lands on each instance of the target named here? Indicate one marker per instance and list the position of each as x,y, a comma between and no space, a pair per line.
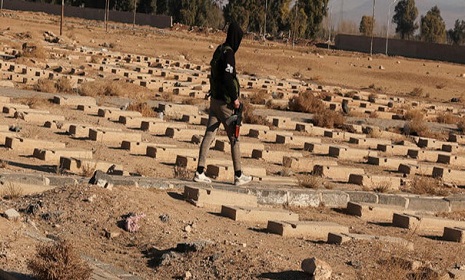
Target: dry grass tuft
88,169
382,187
58,261
447,117
12,191
108,87
143,108
34,50
461,125
328,118
259,97
309,181
45,85
416,92
3,163
306,102
427,185
249,117
181,172
63,85
414,114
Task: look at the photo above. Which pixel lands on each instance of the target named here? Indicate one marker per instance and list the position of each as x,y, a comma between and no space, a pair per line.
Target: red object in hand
236,134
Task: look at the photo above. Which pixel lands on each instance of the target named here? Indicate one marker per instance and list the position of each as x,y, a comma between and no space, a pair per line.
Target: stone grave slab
341,238
337,173
27,145
259,214
307,229
209,197
423,223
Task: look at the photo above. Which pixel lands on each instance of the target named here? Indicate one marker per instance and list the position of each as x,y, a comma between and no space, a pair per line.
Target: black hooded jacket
228,82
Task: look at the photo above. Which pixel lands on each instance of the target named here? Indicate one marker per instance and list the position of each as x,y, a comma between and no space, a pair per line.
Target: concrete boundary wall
159,21
275,194
406,48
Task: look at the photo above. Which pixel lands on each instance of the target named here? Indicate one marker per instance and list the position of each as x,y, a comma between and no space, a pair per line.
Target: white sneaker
244,179
201,177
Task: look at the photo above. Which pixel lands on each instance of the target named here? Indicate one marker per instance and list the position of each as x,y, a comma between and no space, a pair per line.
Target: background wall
406,48
159,21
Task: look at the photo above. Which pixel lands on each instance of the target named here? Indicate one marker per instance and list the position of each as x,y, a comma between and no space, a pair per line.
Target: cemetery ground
177,239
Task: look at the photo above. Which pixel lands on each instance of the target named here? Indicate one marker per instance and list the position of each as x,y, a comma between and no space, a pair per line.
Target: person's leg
210,133
223,115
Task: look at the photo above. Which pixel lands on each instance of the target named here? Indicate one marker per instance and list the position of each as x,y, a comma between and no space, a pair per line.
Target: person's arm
230,76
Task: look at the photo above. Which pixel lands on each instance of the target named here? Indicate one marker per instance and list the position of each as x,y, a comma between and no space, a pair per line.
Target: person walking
224,98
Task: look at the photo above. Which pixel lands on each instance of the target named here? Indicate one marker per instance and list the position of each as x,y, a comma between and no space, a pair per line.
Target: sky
353,10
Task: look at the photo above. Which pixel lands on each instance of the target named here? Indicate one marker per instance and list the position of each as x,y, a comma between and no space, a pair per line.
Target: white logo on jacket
229,68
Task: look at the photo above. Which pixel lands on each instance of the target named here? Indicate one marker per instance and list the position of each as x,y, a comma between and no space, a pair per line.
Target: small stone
381,67
12,215
211,47
91,198
369,67
318,268
370,59
187,275
398,62
244,245
188,228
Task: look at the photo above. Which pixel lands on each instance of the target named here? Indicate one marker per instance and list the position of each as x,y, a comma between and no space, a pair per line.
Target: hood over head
234,37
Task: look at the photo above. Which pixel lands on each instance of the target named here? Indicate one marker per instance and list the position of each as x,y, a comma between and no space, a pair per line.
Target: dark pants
219,113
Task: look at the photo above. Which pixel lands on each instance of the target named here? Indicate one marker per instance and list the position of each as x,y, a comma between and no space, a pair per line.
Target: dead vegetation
309,181
11,190
307,102
250,117
58,261
427,185
106,87
143,108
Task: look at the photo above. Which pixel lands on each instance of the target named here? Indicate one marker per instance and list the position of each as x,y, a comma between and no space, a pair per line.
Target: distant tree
199,13
147,6
277,16
367,25
298,22
315,10
405,15
122,5
433,27
457,35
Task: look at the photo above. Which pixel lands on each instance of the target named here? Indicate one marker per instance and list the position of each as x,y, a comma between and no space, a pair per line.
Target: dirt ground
88,215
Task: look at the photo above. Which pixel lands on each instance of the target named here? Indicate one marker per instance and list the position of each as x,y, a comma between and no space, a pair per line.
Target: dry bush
382,187
63,85
427,185
143,108
373,115
249,117
58,261
309,181
461,125
88,169
166,96
107,87
34,50
328,118
416,127
45,85
306,102
3,163
193,101
34,101
12,191
414,114
181,172
259,97
416,92
447,117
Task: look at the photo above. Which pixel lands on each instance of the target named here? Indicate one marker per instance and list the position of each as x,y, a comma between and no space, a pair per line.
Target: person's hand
237,104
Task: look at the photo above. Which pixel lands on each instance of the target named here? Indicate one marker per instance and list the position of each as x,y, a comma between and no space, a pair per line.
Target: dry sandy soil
233,250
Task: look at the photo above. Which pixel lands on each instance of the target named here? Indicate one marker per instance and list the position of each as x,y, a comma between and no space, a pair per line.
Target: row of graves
337,155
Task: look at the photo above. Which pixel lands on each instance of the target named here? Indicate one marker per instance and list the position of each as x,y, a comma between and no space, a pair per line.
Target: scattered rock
34,208
211,47
318,268
131,222
112,234
167,258
12,215
381,67
188,228
369,67
164,218
187,275
91,198
14,128
398,62
370,59
193,246
101,179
